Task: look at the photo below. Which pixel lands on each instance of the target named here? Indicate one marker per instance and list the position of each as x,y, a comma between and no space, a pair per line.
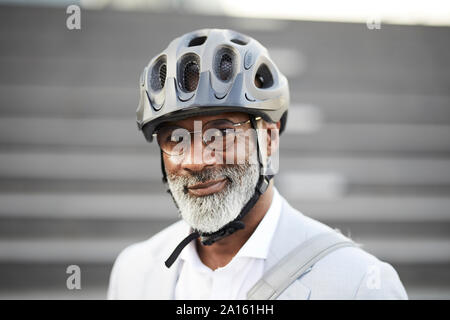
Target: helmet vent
224,64
197,41
240,42
225,67
158,75
162,75
263,77
189,72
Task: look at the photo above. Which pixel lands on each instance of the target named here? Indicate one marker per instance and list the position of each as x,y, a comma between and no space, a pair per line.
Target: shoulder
157,245
138,259
353,273
346,273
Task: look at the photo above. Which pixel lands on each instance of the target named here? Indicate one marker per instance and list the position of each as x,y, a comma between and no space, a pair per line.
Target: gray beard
210,213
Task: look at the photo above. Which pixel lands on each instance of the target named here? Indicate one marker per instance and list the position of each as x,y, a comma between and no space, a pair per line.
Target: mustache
230,172
201,176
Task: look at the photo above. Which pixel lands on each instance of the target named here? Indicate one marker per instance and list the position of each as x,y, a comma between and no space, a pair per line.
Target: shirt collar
258,245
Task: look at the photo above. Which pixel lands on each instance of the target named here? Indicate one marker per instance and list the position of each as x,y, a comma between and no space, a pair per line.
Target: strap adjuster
264,185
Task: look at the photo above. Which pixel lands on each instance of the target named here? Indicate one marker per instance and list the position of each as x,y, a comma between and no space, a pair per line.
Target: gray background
366,150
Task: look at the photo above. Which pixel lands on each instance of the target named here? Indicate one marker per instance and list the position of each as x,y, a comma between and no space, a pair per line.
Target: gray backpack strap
295,263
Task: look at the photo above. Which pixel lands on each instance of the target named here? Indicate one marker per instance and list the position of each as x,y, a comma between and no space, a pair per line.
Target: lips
207,188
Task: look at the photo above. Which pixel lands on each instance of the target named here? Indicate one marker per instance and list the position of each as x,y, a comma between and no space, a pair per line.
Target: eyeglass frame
235,124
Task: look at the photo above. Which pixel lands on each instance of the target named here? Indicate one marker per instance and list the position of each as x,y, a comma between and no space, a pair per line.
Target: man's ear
273,136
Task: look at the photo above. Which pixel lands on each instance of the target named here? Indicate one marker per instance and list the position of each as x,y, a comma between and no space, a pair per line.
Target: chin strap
231,227
180,247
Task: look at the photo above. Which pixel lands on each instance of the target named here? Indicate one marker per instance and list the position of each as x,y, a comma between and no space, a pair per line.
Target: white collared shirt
233,281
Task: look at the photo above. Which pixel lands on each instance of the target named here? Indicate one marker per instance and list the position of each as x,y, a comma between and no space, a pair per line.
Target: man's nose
197,157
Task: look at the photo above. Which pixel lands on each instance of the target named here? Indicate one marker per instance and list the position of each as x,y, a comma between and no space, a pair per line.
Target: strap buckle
264,185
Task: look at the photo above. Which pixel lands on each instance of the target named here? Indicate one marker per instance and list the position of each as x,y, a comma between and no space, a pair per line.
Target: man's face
211,187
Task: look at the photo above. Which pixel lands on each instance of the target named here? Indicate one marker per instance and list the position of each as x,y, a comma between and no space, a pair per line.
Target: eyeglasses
218,134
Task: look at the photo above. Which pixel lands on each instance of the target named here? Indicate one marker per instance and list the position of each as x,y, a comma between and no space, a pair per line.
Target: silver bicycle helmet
211,71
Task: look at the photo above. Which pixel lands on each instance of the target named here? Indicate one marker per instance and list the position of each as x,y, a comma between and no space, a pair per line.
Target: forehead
232,116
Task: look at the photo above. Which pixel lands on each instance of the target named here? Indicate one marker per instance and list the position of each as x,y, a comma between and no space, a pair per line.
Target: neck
220,253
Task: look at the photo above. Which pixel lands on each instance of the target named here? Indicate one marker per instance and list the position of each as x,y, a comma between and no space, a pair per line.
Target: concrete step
105,250
396,46
106,72
376,108
299,137
21,228
48,281
16,228
144,166
159,207
312,186
398,59
414,293
34,274
42,101
387,138
55,294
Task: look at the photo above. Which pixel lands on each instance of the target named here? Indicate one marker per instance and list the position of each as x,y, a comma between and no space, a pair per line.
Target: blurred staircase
367,148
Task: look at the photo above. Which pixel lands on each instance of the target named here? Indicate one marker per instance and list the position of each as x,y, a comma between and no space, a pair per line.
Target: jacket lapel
160,284
160,281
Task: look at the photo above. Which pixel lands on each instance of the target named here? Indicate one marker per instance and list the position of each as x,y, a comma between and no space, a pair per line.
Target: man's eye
224,132
218,133
175,138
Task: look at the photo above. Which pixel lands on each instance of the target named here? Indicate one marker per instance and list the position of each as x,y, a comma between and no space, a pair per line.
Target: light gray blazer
347,273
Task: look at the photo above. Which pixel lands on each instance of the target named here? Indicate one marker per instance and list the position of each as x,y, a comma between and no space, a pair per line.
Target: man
216,104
